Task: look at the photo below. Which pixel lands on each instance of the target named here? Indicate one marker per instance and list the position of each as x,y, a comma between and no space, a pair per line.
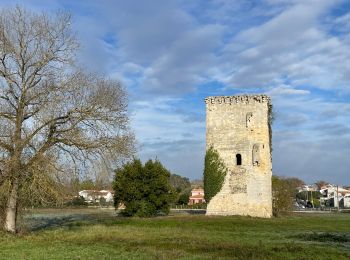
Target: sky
170,55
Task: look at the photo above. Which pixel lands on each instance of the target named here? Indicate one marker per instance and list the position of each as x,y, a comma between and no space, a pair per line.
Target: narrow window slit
238,159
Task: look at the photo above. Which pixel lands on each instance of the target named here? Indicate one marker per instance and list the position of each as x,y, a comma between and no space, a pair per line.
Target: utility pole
337,199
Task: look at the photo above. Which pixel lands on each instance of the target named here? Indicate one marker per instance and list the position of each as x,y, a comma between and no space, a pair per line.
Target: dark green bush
325,237
77,202
144,190
183,199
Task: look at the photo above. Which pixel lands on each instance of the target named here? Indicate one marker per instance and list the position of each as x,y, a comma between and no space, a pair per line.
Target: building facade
197,197
238,128
94,196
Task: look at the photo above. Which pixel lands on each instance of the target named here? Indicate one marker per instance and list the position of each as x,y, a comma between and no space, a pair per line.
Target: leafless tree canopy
51,111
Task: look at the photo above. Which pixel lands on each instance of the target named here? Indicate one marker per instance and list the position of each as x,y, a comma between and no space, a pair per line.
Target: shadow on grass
325,237
38,222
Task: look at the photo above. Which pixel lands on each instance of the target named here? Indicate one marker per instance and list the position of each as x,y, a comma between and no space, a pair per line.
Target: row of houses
95,196
335,196
330,195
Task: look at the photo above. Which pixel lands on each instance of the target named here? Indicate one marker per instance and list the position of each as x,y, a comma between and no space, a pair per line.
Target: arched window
238,159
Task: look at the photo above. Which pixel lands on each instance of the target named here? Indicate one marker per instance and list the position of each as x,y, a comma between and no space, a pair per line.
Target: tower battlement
238,99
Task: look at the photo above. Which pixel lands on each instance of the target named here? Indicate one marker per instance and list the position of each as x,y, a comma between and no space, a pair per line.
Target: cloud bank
170,55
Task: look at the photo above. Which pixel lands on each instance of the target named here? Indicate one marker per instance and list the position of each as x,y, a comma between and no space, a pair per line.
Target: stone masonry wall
239,125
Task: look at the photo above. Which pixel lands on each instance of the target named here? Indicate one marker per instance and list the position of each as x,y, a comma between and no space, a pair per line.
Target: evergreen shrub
144,190
214,174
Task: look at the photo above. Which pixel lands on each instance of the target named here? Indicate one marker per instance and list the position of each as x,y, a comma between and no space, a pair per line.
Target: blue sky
170,55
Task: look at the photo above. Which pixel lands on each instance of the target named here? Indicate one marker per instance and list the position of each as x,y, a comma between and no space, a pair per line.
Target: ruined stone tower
238,128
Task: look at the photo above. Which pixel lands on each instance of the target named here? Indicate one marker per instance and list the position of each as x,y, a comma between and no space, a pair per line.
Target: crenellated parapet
241,99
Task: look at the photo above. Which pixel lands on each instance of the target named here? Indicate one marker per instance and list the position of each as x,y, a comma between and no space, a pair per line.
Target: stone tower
238,128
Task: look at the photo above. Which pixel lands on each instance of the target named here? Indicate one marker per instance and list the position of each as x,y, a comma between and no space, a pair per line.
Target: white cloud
157,121
286,90
342,23
186,63
294,45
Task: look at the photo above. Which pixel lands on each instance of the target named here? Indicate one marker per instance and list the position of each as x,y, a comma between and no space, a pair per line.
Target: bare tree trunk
11,210
50,112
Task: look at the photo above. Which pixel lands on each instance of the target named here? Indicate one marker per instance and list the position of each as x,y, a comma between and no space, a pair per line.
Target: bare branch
49,107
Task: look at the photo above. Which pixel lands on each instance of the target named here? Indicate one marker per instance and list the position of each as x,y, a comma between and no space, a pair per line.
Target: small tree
321,183
87,184
197,184
183,199
78,201
294,183
283,194
182,187
144,190
310,198
102,202
179,183
214,174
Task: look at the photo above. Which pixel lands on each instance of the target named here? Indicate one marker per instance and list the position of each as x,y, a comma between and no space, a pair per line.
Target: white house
108,195
197,196
345,201
93,196
335,196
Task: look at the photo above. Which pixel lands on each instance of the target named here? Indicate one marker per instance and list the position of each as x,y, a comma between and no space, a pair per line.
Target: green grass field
97,234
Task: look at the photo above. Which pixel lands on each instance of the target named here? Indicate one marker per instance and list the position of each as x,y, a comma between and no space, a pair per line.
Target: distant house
331,191
197,196
333,194
345,202
108,195
94,196
312,187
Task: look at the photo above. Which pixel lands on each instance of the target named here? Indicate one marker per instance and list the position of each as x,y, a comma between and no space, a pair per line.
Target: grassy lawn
96,234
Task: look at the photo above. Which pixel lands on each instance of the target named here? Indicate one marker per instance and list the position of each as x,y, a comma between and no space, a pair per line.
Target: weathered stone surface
238,126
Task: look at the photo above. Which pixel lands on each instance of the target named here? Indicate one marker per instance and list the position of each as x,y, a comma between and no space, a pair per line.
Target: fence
195,206
323,210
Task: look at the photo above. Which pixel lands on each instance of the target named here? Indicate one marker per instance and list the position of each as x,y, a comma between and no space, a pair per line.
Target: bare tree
321,183
50,111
